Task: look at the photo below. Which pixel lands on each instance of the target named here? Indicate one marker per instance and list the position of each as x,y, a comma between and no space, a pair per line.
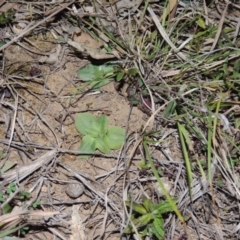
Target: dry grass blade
220,27
164,34
25,171
32,215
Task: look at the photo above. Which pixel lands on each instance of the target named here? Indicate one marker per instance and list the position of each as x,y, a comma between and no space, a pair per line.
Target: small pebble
111,29
75,189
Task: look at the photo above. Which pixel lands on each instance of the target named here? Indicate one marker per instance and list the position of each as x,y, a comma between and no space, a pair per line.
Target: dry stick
20,214
219,28
234,5
206,12
2,2
55,232
22,146
237,30
13,120
30,27
27,170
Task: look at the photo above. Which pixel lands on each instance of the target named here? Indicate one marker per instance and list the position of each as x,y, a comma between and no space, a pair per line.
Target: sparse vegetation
97,134
6,17
148,218
166,73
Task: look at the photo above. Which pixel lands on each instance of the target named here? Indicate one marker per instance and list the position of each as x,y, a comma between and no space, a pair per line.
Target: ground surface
41,94
50,103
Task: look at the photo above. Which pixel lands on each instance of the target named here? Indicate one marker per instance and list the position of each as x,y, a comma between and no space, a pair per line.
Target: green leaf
88,145
158,228
163,207
139,208
143,220
88,73
201,23
170,109
106,69
139,222
101,124
102,144
36,204
185,141
143,164
1,197
153,34
93,132
7,208
225,68
144,233
97,84
25,195
236,67
11,188
115,137
84,122
2,43
236,70
148,204
140,82
133,100
132,71
120,76
93,72
235,75
99,127
24,230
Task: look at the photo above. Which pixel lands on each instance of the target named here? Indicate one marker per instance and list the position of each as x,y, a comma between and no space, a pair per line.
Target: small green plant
96,75
25,195
1,197
24,230
148,218
7,207
6,17
36,204
97,134
121,73
11,188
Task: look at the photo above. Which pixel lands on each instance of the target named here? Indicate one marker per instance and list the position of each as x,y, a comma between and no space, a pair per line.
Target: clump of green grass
6,17
10,221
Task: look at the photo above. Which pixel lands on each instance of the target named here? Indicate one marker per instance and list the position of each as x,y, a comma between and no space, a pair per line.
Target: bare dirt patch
47,105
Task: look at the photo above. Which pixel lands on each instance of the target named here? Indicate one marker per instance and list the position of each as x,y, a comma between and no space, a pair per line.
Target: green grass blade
184,138
11,230
209,148
154,170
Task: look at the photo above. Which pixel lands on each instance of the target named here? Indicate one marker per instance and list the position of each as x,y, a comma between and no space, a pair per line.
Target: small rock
75,189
